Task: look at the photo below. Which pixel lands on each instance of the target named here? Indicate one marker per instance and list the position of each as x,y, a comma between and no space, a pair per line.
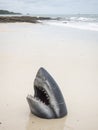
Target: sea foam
79,22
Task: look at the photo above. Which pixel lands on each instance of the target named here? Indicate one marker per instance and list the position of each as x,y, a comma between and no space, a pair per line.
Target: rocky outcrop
11,19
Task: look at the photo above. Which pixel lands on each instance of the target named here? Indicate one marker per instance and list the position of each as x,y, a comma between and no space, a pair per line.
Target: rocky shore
29,19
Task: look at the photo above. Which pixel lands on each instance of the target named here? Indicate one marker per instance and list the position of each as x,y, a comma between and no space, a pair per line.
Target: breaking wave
88,22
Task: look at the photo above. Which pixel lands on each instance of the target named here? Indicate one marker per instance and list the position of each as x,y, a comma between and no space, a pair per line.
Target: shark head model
48,101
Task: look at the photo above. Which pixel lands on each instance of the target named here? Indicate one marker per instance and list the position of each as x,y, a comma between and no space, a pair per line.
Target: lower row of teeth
40,100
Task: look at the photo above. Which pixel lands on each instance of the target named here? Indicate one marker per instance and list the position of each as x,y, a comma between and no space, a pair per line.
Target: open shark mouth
48,101
41,95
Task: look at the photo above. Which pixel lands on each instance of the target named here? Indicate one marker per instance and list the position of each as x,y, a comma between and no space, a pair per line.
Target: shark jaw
48,100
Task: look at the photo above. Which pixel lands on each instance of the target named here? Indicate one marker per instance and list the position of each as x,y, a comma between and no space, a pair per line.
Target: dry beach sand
70,56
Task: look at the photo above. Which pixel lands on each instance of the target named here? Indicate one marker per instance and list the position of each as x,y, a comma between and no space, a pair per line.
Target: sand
69,55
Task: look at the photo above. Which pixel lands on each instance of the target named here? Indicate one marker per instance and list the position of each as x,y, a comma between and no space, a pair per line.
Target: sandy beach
70,55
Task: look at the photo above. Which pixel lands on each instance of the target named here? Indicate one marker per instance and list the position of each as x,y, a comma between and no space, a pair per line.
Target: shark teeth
42,95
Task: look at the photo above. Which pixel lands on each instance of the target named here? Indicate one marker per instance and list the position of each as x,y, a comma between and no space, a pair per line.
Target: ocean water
79,21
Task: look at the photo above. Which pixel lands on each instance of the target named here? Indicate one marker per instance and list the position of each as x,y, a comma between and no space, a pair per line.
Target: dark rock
11,19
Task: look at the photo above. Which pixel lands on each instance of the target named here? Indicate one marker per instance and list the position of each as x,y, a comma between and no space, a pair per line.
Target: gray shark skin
48,101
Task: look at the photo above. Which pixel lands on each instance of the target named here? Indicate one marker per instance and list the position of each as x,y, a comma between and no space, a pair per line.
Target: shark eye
41,95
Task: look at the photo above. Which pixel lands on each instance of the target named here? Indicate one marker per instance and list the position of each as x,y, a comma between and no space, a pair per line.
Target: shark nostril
42,95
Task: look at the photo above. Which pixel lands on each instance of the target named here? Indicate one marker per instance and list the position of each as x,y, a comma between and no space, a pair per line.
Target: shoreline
77,22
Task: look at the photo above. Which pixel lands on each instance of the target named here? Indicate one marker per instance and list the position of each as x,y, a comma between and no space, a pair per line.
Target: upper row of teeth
44,92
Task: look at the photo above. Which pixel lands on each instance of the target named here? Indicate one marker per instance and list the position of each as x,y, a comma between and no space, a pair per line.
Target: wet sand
69,55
